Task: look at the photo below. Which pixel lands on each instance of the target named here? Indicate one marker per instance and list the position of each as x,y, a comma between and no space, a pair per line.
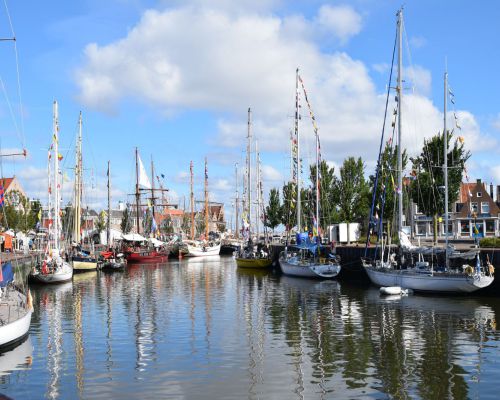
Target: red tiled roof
5,182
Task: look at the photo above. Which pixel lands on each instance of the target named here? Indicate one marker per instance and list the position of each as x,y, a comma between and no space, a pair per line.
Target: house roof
5,182
465,190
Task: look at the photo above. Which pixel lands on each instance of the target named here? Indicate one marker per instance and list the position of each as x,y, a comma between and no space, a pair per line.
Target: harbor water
203,329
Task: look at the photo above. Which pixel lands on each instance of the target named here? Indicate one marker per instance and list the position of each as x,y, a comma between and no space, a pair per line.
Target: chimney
478,181
498,193
491,191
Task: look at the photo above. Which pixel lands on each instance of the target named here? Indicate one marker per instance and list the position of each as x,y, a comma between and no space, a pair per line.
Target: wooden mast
78,184
192,201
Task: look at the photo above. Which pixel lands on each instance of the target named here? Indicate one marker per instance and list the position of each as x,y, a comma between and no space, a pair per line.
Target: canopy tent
133,237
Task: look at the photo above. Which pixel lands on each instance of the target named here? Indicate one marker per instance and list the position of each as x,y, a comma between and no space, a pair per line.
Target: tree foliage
273,209
427,189
18,212
326,192
126,223
350,191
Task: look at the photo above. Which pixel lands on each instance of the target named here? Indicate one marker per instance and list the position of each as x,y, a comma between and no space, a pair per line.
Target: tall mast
257,176
399,90
152,187
56,175
297,148
137,193
108,223
249,169
445,165
192,200
236,227
206,200
317,182
78,183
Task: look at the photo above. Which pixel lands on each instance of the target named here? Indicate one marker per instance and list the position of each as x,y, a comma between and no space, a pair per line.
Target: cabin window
473,207
485,207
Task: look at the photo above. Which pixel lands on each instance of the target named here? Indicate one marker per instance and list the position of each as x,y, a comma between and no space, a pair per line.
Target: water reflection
197,326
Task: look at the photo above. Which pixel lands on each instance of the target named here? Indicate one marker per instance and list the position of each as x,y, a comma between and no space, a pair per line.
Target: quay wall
353,271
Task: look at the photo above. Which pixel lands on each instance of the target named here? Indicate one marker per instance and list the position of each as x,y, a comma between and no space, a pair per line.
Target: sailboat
204,246
111,260
53,268
80,259
16,308
388,270
306,259
251,255
137,248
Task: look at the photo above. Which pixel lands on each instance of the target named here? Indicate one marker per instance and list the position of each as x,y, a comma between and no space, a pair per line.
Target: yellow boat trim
84,265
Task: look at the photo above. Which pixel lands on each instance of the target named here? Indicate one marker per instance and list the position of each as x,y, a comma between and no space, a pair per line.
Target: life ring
469,270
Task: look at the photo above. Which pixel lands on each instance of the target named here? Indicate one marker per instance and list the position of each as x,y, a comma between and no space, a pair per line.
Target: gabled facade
474,215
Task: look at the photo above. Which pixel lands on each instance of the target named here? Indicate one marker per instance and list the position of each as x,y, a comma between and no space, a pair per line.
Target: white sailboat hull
195,251
293,267
427,282
62,274
15,329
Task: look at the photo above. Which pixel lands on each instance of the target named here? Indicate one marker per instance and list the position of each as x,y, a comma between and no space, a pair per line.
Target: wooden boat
253,262
15,309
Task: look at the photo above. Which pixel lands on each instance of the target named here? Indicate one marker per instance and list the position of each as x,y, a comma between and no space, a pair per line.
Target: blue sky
175,78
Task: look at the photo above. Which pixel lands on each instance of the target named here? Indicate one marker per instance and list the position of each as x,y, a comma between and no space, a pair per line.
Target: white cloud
381,68
342,21
271,174
496,122
495,174
249,59
420,78
418,41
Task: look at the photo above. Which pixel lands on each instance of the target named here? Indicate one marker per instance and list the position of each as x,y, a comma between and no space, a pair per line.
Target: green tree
186,223
427,189
101,222
327,205
167,226
288,211
273,209
386,196
126,223
350,190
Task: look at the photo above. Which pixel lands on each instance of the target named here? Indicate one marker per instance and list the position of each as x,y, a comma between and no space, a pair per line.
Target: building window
473,207
479,194
420,228
465,227
485,207
490,226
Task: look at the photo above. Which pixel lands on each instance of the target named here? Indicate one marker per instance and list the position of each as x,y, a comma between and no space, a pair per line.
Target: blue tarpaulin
7,274
304,241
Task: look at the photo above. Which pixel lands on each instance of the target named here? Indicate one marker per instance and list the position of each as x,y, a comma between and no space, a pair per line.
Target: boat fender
469,270
491,268
29,303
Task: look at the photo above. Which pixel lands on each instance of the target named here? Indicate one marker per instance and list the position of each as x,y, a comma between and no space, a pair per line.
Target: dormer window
479,194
